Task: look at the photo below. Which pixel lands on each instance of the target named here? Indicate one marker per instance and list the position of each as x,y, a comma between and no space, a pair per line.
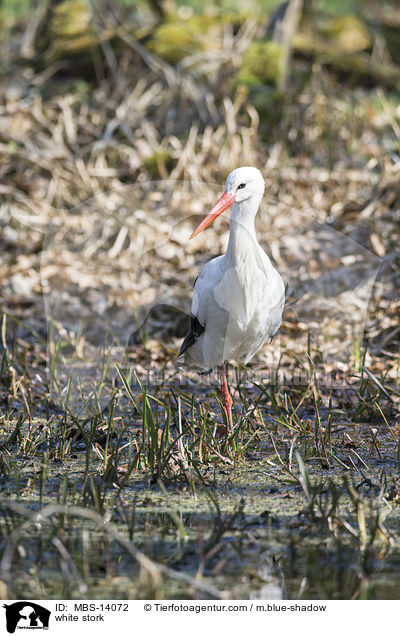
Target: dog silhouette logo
26,615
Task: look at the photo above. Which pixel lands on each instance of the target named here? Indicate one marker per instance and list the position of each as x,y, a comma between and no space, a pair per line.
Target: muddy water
251,530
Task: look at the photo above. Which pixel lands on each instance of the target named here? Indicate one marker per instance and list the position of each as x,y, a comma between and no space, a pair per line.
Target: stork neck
242,229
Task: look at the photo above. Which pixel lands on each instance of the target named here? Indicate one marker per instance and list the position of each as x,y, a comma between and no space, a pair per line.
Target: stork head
241,185
244,183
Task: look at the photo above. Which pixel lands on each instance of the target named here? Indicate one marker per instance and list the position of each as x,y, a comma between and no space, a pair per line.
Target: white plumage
238,297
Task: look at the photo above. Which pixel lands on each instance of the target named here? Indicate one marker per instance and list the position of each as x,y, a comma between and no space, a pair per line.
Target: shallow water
250,530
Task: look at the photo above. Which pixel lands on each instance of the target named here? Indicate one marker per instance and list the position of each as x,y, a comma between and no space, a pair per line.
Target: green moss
177,38
347,33
71,30
71,18
173,42
159,162
261,64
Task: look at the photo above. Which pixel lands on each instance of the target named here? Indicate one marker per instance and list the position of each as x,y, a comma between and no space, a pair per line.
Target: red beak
222,204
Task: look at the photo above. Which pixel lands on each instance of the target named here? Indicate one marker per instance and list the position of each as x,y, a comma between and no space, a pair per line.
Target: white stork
238,297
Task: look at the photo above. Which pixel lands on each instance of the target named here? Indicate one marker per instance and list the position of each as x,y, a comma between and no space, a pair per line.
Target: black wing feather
194,332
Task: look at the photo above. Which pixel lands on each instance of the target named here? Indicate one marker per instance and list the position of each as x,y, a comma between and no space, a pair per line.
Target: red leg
226,399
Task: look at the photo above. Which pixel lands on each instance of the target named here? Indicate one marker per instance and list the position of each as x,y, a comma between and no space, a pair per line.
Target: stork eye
242,185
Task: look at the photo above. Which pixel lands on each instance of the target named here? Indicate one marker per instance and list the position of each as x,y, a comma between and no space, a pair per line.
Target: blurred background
120,120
